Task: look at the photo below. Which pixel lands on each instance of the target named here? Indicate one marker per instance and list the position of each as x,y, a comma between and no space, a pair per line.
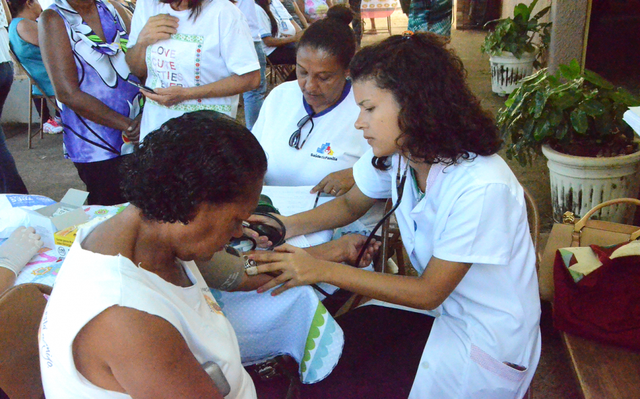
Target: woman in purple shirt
83,44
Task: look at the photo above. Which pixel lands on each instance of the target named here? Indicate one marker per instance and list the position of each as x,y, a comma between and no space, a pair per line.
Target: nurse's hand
336,183
158,27
167,96
290,266
349,247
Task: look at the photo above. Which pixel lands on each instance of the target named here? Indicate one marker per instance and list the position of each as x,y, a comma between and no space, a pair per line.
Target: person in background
318,109
253,99
81,43
10,180
296,14
314,10
431,16
195,54
23,39
467,325
279,33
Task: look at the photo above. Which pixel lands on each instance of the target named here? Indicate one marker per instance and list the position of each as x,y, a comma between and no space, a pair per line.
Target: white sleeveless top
89,283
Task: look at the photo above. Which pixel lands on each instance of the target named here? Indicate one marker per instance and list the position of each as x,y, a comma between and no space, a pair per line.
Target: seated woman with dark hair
279,32
23,39
307,127
467,326
130,312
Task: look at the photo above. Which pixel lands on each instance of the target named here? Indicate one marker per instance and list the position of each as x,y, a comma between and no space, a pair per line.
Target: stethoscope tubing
400,182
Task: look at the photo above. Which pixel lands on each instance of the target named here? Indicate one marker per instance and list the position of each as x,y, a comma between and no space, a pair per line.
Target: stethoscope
400,181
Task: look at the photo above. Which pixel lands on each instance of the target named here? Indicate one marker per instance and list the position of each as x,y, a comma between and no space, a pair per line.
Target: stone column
569,32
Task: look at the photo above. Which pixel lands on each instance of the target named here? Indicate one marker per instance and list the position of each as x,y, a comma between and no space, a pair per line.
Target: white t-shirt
473,212
4,37
283,21
212,47
333,145
89,283
248,9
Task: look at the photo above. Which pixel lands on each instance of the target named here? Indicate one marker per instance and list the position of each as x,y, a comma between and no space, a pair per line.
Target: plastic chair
41,97
21,309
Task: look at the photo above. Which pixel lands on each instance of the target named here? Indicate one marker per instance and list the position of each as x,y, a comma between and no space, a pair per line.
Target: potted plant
510,45
575,120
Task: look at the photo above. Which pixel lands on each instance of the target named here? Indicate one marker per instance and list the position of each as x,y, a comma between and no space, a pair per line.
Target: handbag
584,232
597,295
595,276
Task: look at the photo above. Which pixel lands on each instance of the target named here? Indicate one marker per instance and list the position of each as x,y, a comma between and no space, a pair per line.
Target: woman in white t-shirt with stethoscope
463,222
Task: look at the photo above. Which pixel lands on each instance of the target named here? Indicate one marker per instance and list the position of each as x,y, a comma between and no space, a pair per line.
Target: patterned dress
102,73
431,16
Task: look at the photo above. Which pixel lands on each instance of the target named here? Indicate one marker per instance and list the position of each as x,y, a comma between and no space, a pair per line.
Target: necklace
419,193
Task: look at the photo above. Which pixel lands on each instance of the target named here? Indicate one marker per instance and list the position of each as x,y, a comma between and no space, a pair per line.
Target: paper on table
290,200
632,117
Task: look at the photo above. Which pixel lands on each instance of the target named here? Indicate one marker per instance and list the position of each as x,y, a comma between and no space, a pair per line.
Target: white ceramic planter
507,71
580,183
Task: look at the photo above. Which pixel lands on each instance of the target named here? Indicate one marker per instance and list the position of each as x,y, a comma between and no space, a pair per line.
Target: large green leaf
566,100
542,13
597,80
542,130
592,107
579,121
555,116
562,130
623,96
571,71
522,11
540,101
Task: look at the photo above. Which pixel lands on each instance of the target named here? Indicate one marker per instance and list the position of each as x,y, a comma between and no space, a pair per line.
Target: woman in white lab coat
463,221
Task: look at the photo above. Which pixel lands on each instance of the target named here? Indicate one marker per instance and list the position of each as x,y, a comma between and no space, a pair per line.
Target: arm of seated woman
226,272
271,41
336,183
130,351
28,31
232,85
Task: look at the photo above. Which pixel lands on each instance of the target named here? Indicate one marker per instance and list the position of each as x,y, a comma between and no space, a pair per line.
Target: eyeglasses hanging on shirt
294,140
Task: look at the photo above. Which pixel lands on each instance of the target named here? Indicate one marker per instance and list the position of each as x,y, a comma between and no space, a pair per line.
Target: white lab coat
473,212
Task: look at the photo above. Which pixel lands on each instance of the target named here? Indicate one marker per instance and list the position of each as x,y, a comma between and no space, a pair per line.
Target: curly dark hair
440,119
332,35
199,157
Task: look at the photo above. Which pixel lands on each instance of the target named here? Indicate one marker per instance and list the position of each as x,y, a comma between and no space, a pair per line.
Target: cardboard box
59,216
64,239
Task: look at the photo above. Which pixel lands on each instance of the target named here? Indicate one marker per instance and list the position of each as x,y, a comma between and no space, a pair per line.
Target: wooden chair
533,214
391,246
277,72
21,309
43,98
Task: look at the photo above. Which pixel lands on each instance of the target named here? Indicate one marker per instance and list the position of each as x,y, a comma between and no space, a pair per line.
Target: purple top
102,73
